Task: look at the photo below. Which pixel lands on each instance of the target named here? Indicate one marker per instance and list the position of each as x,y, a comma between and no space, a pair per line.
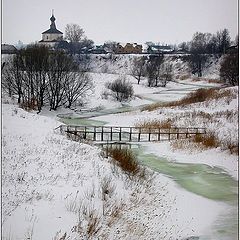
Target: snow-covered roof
160,48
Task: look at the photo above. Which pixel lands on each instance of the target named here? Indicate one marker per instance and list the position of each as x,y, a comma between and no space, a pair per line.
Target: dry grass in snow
214,109
200,95
154,124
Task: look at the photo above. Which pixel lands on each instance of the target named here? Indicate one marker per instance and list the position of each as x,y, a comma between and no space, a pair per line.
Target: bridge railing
128,134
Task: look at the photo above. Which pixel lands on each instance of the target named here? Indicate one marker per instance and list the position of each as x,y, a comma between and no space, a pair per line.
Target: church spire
52,19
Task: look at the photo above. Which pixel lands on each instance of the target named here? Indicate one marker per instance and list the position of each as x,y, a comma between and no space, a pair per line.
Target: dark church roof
49,41
52,28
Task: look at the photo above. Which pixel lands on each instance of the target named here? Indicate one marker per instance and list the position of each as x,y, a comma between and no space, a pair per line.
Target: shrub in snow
126,160
121,90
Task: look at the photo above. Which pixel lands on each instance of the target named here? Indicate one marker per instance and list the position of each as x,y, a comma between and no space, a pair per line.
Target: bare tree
60,65
153,69
110,46
198,57
87,43
229,70
166,74
12,78
77,85
138,69
223,40
184,46
35,66
197,63
73,32
200,42
83,46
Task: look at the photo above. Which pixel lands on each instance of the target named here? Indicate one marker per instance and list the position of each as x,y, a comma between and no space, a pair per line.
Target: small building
52,37
180,51
159,49
8,49
128,48
99,49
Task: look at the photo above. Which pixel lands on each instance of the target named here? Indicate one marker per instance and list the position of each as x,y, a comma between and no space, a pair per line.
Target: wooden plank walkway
127,134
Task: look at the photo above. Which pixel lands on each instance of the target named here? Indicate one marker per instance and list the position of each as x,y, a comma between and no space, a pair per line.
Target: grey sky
168,21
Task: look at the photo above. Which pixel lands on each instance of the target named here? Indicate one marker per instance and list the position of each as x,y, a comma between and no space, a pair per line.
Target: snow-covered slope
122,64
52,186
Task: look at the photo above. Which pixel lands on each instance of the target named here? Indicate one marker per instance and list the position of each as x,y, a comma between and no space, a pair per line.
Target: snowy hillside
121,64
52,186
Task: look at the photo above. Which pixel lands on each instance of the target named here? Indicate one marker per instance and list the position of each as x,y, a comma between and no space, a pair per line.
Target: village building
8,49
159,49
128,48
98,49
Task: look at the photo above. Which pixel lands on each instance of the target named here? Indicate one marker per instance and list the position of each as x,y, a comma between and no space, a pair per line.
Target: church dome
52,18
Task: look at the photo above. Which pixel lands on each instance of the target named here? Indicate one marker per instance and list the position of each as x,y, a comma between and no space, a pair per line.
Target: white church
52,37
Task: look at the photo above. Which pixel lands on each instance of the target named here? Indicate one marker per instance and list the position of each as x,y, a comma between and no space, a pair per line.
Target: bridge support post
85,133
111,134
139,135
102,134
159,133
130,135
120,134
94,134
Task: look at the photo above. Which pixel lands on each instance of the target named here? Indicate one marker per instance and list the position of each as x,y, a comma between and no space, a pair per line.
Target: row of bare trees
203,44
208,43
38,77
157,71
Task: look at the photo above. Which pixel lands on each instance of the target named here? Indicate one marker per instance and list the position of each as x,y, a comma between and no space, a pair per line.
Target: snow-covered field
54,188
49,182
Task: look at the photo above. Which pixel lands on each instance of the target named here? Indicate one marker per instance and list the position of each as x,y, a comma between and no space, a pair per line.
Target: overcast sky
164,21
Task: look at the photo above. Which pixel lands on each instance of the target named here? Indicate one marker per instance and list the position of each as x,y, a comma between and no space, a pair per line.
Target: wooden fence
127,134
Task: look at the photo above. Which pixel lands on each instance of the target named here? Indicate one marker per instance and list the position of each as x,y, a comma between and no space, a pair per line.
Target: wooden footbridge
127,134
